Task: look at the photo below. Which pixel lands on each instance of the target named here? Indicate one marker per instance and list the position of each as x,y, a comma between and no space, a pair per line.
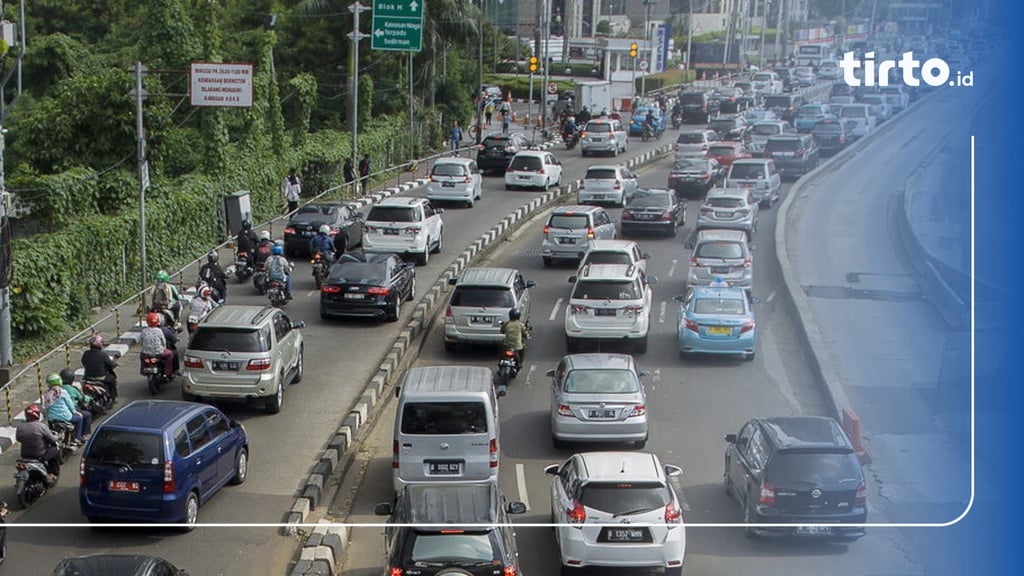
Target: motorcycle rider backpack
161,296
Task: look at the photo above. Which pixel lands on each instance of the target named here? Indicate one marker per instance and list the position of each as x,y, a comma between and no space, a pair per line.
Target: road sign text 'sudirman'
397,25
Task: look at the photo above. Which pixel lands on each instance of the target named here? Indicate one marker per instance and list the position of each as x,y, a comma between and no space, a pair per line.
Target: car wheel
324,316
273,406
241,466
640,444
396,309
571,344
412,289
547,260
450,346
423,257
583,153
191,512
569,570
641,345
189,397
749,356
559,444
508,186
299,368
674,571
729,489
672,231
469,203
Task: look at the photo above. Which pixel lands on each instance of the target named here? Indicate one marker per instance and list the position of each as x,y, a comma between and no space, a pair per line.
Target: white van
446,426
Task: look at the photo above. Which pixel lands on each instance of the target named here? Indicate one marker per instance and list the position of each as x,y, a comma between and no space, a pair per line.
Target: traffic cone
514,117
526,120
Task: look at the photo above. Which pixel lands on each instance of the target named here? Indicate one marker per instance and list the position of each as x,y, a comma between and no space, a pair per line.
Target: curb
337,455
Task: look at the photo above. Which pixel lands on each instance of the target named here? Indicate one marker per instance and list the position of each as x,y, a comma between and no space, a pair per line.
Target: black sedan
695,176
497,150
655,210
367,285
345,221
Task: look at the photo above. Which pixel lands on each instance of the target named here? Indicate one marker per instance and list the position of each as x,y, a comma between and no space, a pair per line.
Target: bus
812,54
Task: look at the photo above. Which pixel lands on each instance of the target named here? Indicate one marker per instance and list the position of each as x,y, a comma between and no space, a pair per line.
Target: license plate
720,269
521,177
596,139
448,184
746,185
123,486
645,216
623,535
353,296
444,468
601,413
390,231
564,240
723,330
604,312
149,370
814,530
480,320
307,233
224,365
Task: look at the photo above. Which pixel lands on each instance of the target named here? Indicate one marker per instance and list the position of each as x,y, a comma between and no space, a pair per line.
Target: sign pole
356,35
529,114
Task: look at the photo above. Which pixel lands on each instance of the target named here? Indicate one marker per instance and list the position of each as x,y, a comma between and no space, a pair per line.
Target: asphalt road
691,405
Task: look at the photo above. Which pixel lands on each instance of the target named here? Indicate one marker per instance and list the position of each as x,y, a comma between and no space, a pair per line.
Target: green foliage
666,78
604,27
169,40
300,106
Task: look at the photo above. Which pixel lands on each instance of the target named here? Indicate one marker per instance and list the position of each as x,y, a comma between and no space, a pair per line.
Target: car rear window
691,98
766,129
691,165
449,170
813,468
219,339
607,258
465,547
726,306
719,249
476,296
601,174
624,497
574,222
810,110
497,141
124,448
720,125
690,138
724,202
782,145
392,214
444,418
598,127
601,382
740,171
854,111
526,163
777,102
315,210
649,200
722,151
830,128
606,290
762,77
358,273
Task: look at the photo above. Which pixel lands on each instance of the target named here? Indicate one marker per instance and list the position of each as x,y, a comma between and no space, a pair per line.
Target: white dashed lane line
554,310
672,269
521,484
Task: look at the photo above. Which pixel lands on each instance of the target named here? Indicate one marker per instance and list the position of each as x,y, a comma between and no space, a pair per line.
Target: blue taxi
716,319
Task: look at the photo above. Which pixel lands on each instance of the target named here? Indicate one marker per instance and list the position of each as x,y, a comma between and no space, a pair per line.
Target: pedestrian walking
364,172
506,116
3,530
350,174
455,137
291,188
489,112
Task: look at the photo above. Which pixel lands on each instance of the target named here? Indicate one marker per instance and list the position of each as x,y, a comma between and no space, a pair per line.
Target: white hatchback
456,180
533,169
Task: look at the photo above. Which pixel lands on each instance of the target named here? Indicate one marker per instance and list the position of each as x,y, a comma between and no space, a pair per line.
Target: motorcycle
99,399
259,278
31,481
571,139
649,132
152,367
275,293
321,268
508,368
677,120
244,268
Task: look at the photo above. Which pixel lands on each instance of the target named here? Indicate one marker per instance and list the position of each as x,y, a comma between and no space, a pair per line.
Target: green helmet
163,276
53,379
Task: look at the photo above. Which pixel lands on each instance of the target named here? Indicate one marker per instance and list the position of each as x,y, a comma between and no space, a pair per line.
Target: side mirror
398,391
673,471
647,256
531,283
552,470
236,424
360,215
383,509
439,211
572,279
679,298
688,245
644,373
453,281
516,508
730,438
550,373
298,324
652,280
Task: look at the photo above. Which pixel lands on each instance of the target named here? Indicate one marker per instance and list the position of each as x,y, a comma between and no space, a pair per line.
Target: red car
726,152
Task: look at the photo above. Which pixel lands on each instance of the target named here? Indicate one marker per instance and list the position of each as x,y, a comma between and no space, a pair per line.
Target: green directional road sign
397,25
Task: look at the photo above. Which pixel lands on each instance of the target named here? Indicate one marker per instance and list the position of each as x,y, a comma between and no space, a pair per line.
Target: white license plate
353,296
814,530
566,240
521,177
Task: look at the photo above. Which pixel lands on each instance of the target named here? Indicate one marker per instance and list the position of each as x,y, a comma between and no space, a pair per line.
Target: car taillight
578,514
289,230
467,179
378,291
767,495
82,480
448,311
564,410
673,515
691,325
747,262
860,498
394,454
618,185
705,176
168,477
331,289
492,447
627,215
548,228
747,326
258,364
395,571
412,230
706,209
638,410
193,362
694,263
509,571
704,147
583,134
541,171
370,229
632,310
577,309
798,153
666,216
590,233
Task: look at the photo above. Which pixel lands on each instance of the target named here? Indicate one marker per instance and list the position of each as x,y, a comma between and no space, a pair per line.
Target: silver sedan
598,398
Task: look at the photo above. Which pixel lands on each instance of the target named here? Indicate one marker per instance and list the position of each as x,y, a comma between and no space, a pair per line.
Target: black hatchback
344,220
799,470
367,285
497,150
450,528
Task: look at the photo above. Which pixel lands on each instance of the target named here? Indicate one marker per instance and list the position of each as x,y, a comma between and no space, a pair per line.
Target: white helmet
325,229
264,235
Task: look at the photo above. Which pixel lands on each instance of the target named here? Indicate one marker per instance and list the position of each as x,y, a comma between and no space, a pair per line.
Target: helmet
153,320
53,379
163,276
96,341
514,314
279,242
325,229
33,413
246,225
67,376
205,292
212,256
277,250
265,235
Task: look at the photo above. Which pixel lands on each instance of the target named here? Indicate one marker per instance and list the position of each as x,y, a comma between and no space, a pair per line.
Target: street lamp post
356,35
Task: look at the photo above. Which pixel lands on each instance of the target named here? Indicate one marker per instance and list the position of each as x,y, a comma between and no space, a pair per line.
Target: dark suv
497,150
457,528
698,107
830,135
799,470
793,154
784,105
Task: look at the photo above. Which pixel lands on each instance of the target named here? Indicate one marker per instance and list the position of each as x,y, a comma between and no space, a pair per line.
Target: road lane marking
529,374
521,483
770,297
554,310
672,269
661,312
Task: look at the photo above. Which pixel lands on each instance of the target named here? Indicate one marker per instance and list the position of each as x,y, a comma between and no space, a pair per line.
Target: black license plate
615,534
444,468
564,240
645,216
601,413
225,365
480,320
720,269
390,231
448,184
307,233
604,312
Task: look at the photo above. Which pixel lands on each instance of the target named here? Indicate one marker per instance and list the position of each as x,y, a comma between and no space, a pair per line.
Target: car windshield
782,145
722,151
649,200
497,141
392,214
572,222
691,165
449,170
719,306
766,129
220,339
601,174
606,290
624,497
777,102
436,548
526,163
316,210
814,468
358,273
132,449
854,111
690,138
601,381
830,128
741,171
598,127
722,125
483,296
724,202
607,258
810,110
444,418
762,77
729,250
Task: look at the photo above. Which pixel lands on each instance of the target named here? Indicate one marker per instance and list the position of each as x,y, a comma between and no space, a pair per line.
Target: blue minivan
159,461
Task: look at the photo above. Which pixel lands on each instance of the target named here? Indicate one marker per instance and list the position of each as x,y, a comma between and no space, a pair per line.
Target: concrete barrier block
313,490
339,442
301,568
116,350
330,456
361,410
292,521
130,338
351,421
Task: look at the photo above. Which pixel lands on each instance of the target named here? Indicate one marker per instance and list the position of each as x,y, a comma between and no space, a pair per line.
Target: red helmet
96,341
153,320
33,413
206,292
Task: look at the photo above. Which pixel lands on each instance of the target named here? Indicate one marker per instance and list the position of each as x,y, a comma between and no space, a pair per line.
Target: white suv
610,303
404,225
617,509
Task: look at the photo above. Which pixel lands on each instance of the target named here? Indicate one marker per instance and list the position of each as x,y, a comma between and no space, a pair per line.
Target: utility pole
650,48
779,56
764,25
689,37
871,28
547,66
356,35
480,74
143,165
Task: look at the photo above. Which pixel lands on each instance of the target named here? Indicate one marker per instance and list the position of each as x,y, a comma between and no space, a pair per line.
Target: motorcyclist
60,407
322,243
279,270
583,116
651,122
164,296
263,248
201,304
246,240
569,128
38,442
516,334
99,367
214,276
154,343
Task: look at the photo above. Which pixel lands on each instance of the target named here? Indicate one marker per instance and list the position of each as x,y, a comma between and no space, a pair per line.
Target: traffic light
533,63
633,50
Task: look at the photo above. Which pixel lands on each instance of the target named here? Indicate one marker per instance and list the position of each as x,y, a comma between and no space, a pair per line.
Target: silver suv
723,254
609,303
480,302
246,353
570,229
730,208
